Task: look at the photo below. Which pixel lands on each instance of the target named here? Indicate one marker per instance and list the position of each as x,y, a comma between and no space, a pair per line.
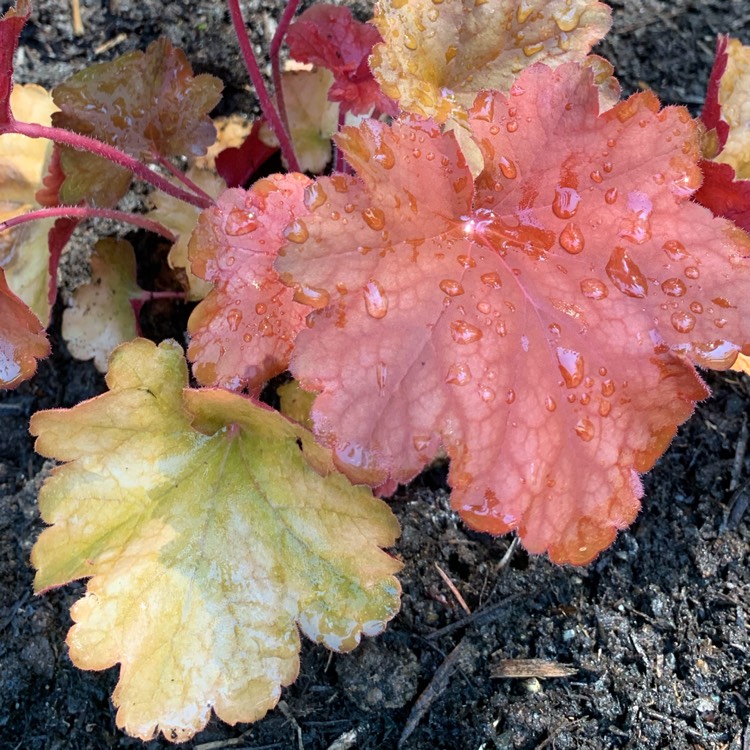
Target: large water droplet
234,318
570,363
567,20
608,387
565,203
486,393
314,196
683,322
572,239
523,11
718,355
451,288
611,196
508,168
297,232
464,333
239,222
312,296
376,300
594,289
625,274
458,374
674,287
584,429
531,49
675,250
374,218
261,308
492,279
636,226
384,156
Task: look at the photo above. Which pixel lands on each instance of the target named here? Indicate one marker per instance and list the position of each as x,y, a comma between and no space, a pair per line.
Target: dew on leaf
674,287
531,49
420,442
683,322
636,226
374,218
239,222
234,318
572,239
565,203
465,333
451,288
247,337
510,396
570,363
675,250
718,355
297,232
458,374
486,393
381,373
314,196
611,196
723,302
384,156
567,20
605,407
549,404
312,296
512,126
450,53
696,307
594,289
376,300
692,272
261,309
523,11
508,168
584,429
484,307
625,274
492,279
596,176
720,322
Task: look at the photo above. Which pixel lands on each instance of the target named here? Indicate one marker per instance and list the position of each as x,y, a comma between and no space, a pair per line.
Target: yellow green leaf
100,316
436,57
212,529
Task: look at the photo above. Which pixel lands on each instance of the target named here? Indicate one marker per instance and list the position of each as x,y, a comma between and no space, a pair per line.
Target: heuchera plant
504,260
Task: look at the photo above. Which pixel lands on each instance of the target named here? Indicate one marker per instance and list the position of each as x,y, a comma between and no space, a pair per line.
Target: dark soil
657,627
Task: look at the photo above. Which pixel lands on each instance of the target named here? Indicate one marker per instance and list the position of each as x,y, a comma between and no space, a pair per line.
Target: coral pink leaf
244,330
329,36
22,339
711,114
11,25
725,195
540,323
238,164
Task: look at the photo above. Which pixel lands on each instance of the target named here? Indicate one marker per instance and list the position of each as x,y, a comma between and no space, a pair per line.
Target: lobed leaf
540,323
11,25
210,535
22,339
436,57
723,194
100,316
329,36
243,332
147,104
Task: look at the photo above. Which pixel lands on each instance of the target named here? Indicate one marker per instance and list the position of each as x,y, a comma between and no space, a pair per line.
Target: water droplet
451,288
314,196
607,166
567,20
265,328
594,289
376,300
458,374
523,11
554,329
510,396
674,287
572,239
384,156
683,322
531,49
611,196
466,261
261,309
549,404
584,429
464,333
508,168
484,307
512,126
723,302
381,373
312,296
596,176
605,407
410,42
720,322
486,394
608,387
636,226
718,355
239,222
374,218
450,52
492,279
675,250
570,363
696,307
625,274
565,203
297,232
691,272
247,337
420,442
234,318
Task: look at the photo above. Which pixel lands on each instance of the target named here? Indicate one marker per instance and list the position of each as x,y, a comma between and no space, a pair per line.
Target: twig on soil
475,617
452,586
558,729
75,11
739,455
437,685
283,706
348,739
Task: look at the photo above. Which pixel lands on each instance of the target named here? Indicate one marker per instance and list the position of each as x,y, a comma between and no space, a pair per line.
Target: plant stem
88,212
266,104
182,177
99,148
278,38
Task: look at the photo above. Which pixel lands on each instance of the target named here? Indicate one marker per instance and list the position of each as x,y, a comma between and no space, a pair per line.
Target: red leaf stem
278,38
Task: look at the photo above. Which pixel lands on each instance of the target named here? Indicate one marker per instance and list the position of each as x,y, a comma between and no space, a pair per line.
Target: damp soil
654,633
